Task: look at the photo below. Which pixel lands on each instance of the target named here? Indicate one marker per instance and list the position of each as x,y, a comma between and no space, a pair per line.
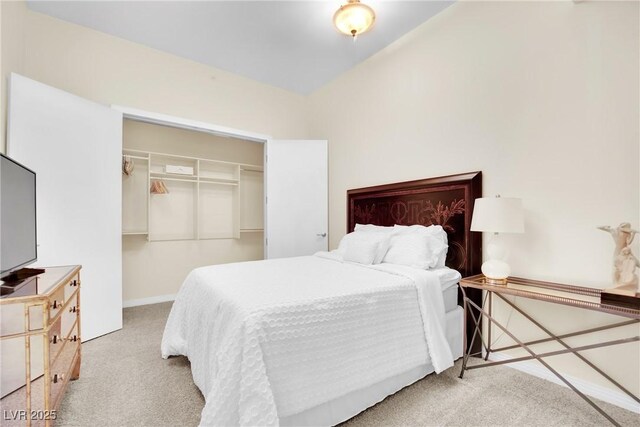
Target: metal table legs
480,312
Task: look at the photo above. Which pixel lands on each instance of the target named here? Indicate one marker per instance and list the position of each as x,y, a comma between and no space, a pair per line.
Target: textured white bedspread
269,339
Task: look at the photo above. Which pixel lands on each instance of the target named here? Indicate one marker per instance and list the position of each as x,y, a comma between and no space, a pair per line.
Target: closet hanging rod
173,179
163,174
135,157
219,183
155,153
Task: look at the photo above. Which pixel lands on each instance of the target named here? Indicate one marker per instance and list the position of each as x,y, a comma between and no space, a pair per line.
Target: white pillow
410,249
432,230
427,248
438,241
442,249
377,228
368,247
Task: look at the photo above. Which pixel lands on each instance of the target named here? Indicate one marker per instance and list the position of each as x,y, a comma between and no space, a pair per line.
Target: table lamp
497,215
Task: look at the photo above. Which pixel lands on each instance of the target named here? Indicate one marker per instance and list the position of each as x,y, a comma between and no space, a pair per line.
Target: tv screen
18,245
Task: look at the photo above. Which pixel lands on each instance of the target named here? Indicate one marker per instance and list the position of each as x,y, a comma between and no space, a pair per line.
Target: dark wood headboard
446,201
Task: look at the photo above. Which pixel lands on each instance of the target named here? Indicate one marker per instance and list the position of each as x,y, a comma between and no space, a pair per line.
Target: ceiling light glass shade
354,18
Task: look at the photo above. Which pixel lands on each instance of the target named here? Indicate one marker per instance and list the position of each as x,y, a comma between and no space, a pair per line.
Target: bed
315,340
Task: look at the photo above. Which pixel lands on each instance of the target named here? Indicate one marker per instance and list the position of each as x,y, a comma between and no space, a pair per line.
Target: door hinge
266,200
266,242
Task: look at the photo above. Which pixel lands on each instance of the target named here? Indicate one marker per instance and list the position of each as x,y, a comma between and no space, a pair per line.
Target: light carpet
125,382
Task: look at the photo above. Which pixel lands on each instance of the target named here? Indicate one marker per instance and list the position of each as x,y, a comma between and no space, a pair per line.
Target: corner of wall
12,36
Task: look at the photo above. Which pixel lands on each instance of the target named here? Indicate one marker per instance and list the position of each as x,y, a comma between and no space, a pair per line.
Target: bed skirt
347,406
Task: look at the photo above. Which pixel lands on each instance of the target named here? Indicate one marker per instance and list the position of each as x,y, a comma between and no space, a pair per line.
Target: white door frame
198,126
182,123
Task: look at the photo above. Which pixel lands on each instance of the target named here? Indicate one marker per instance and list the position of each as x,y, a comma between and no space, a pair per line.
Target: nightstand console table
553,293
40,344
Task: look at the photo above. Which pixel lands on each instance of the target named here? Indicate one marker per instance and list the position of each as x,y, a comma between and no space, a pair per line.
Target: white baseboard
605,394
147,301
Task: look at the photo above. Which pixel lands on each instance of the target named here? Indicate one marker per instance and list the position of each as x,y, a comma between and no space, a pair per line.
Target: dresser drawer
61,333
72,285
56,301
62,295
55,339
70,313
61,370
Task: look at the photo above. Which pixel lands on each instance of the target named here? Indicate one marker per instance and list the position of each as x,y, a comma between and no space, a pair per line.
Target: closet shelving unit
220,200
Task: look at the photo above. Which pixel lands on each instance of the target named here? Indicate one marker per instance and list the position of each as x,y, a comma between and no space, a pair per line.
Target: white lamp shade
498,215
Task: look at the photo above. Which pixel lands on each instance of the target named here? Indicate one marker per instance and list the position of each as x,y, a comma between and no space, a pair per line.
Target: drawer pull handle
74,282
73,338
73,309
57,304
55,339
58,378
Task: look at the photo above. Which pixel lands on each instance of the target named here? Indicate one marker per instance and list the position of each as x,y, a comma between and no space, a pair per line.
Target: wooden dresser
39,345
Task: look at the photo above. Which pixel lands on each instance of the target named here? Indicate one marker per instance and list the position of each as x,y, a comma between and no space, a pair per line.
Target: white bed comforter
269,339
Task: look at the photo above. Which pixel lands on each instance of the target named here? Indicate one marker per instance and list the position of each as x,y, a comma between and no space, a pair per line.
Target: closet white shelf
142,154
190,178
247,168
219,181
173,175
170,178
231,184
131,156
221,200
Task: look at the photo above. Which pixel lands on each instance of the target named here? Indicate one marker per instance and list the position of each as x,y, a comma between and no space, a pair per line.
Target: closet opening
190,198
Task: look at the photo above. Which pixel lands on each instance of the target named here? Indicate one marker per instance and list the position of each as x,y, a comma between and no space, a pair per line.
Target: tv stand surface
18,276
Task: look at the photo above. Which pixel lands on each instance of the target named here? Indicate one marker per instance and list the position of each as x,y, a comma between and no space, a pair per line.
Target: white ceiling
289,44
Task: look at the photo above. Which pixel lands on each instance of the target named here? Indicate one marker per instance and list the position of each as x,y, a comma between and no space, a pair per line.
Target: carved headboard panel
447,201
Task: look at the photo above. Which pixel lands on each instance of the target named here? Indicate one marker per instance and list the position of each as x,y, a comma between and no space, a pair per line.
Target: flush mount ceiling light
354,18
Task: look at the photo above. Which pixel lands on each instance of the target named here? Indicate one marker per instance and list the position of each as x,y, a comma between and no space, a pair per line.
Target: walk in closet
174,197
189,199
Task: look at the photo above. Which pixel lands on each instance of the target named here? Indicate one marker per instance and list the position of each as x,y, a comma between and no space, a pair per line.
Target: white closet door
297,205
75,147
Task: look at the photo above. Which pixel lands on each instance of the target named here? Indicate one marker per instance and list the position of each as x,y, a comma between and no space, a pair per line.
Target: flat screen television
18,234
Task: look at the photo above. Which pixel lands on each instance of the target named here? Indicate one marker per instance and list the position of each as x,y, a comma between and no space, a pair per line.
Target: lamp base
496,271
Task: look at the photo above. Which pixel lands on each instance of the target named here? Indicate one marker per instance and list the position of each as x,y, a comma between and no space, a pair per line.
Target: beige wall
540,97
151,269
11,58
148,137
110,70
